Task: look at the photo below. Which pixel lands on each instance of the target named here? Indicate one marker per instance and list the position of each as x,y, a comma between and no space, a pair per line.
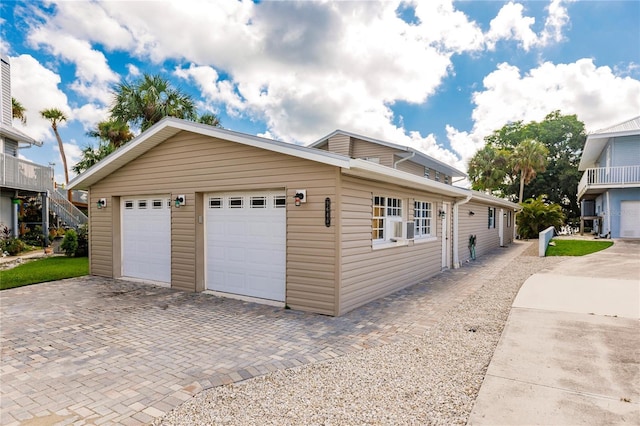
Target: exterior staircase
63,209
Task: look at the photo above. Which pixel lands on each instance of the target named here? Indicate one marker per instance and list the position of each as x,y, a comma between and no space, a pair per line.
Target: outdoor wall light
442,214
471,213
180,200
101,203
300,197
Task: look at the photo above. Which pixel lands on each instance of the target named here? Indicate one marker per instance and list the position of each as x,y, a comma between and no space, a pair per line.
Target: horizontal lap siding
411,167
363,149
368,274
188,164
486,238
100,235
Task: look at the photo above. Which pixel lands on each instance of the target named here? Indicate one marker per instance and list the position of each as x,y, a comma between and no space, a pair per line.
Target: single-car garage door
630,219
146,238
246,244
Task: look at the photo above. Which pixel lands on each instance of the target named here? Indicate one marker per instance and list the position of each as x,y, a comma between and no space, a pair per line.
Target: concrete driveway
570,351
100,351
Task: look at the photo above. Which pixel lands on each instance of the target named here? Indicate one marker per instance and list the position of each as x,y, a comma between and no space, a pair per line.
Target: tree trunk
521,186
62,154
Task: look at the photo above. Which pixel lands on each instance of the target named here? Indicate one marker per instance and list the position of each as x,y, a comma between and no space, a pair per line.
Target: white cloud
596,95
90,115
557,19
510,24
25,70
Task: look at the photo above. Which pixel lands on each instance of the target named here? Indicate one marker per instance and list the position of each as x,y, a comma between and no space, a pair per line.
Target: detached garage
200,208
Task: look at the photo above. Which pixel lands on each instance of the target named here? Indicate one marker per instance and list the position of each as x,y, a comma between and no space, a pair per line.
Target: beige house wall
364,149
487,238
194,165
369,273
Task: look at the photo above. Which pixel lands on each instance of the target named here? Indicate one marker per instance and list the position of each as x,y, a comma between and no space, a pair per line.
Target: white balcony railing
608,177
21,174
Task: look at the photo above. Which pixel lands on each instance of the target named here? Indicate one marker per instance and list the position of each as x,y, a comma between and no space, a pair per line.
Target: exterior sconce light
442,214
300,197
471,213
180,200
101,203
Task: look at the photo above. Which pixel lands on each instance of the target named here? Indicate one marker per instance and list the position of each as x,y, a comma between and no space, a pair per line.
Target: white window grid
258,202
156,204
422,215
378,221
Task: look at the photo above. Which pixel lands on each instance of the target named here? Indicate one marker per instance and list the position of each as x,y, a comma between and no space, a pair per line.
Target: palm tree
18,111
91,156
117,133
529,158
488,168
210,119
55,116
148,100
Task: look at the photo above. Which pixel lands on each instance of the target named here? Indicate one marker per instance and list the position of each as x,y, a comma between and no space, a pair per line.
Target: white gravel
432,379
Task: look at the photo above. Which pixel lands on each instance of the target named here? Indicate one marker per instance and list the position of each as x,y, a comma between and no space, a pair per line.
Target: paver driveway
101,351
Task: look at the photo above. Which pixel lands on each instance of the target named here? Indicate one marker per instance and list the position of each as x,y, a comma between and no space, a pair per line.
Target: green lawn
42,270
576,247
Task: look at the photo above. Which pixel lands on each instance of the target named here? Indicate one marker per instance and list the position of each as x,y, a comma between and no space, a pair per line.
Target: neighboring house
201,208
18,178
609,190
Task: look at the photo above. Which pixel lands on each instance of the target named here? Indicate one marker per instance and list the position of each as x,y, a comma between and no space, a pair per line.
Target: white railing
609,177
62,208
21,174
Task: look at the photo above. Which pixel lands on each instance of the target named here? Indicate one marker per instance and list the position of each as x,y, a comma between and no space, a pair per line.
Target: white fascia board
170,126
15,134
490,199
372,171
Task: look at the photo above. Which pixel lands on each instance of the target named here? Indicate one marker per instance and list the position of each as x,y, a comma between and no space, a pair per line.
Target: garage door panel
630,219
246,251
146,238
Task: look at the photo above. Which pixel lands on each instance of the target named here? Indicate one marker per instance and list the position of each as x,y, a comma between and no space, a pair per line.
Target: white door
446,241
501,227
630,219
246,244
146,238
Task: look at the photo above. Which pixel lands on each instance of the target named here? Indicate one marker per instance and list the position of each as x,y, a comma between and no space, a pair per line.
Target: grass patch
43,270
576,247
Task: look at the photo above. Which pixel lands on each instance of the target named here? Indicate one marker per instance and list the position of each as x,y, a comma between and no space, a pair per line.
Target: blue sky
435,75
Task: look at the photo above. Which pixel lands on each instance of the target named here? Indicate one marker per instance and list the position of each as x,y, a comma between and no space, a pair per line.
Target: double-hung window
422,214
386,222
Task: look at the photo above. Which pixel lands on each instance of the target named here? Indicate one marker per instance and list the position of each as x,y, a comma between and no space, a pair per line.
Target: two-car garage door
246,244
245,241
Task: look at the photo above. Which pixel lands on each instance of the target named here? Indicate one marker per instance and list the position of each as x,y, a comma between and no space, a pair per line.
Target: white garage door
146,238
246,244
630,219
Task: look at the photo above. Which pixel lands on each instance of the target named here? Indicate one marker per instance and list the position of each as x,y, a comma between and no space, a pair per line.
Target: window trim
491,220
389,212
427,208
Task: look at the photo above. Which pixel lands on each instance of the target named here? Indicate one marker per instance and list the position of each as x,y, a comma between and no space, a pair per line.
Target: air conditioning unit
411,230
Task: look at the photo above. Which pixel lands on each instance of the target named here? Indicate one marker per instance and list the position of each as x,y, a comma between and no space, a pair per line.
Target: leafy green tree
91,155
18,111
537,215
148,100
488,169
528,158
55,116
117,133
210,119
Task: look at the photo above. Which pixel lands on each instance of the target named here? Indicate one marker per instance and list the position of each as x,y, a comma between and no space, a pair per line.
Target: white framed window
259,202
236,202
446,180
142,204
156,204
215,202
422,216
427,172
437,178
279,201
386,223
128,204
491,223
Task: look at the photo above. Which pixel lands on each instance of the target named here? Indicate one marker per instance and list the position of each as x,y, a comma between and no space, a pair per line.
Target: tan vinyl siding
364,149
486,238
192,164
101,231
368,274
410,167
340,144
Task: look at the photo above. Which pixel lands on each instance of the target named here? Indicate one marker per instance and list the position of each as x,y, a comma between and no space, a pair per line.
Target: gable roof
417,156
170,126
597,140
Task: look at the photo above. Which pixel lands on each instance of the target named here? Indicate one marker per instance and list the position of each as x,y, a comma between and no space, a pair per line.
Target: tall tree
488,169
148,100
91,155
18,111
55,116
117,133
528,158
210,119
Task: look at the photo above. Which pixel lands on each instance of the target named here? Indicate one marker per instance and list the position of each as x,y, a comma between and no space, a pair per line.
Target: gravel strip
431,379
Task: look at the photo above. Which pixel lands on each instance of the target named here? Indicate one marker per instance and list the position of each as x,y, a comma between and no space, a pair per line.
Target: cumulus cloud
596,95
25,69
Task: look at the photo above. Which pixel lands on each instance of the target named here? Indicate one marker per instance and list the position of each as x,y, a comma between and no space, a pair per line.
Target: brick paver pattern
94,350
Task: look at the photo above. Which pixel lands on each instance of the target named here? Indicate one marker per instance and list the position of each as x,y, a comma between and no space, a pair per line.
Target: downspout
456,209
395,165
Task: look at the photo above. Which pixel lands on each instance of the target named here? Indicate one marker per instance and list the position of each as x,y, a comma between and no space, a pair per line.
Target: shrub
537,215
13,246
70,243
83,241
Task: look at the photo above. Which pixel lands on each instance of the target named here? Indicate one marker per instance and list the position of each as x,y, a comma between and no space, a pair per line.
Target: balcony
597,180
24,175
